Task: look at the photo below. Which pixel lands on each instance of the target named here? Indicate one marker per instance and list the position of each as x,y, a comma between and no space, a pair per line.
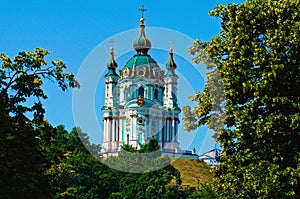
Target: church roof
111,64
171,65
141,59
141,64
141,43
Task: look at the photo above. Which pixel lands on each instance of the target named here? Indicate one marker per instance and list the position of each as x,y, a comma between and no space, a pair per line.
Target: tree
145,176
21,155
257,57
73,171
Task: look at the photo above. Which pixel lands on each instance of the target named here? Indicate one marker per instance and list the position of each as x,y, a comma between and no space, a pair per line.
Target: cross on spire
171,44
112,41
142,9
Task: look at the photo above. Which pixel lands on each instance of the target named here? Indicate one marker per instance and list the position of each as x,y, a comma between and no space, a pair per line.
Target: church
140,100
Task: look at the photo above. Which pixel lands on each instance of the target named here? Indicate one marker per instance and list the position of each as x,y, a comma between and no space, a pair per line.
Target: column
173,132
117,131
113,130
168,130
105,131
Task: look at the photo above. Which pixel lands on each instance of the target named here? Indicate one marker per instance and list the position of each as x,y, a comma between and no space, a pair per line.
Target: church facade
140,100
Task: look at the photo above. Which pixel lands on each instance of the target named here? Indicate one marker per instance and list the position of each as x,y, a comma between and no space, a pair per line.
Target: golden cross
112,41
171,43
142,10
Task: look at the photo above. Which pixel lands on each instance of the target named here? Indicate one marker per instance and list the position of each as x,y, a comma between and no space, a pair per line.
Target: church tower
111,105
140,101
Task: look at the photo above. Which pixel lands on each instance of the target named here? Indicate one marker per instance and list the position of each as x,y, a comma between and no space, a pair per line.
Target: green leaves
257,57
23,77
22,123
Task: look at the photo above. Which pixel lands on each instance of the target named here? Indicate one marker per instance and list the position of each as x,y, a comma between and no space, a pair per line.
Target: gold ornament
140,101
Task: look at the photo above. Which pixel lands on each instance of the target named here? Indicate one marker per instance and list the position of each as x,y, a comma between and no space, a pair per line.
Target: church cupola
111,64
170,95
142,43
111,80
171,65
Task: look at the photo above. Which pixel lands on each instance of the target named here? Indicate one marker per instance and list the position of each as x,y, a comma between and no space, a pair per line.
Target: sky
78,32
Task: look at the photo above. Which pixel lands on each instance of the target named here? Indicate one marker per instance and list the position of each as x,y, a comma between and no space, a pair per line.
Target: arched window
141,91
156,93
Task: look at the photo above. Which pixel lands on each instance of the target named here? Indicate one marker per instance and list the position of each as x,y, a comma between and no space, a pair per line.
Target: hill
192,171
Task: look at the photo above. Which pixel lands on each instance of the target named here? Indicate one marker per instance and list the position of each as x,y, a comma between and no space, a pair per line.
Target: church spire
171,65
111,64
142,43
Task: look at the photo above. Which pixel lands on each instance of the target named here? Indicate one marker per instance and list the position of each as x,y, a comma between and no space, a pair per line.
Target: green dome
111,64
141,59
141,43
141,65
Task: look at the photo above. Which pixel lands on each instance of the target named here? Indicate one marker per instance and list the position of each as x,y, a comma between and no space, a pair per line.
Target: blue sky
71,30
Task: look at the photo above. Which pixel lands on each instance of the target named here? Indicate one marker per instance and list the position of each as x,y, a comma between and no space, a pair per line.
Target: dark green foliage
74,172
204,192
21,162
22,157
152,146
256,57
149,174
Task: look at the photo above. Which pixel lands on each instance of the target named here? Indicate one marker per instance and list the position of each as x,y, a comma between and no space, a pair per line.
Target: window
156,93
141,91
141,73
141,121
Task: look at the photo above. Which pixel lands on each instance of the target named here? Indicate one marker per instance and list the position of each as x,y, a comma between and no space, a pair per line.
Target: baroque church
140,100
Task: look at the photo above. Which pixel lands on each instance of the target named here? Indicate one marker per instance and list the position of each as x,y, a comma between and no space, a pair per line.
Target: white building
140,100
212,157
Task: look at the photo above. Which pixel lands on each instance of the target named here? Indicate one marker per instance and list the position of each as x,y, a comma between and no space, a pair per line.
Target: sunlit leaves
257,55
22,78
22,123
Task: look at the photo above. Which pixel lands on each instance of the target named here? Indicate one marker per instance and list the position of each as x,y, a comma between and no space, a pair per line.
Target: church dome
139,60
111,64
141,64
141,43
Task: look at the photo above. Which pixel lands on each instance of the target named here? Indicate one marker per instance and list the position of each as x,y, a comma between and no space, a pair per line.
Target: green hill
192,171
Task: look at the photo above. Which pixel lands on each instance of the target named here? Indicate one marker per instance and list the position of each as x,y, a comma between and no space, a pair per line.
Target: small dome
141,43
111,64
171,65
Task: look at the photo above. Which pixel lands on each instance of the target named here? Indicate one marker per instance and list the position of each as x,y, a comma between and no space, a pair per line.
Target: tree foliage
147,176
73,172
22,158
257,115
